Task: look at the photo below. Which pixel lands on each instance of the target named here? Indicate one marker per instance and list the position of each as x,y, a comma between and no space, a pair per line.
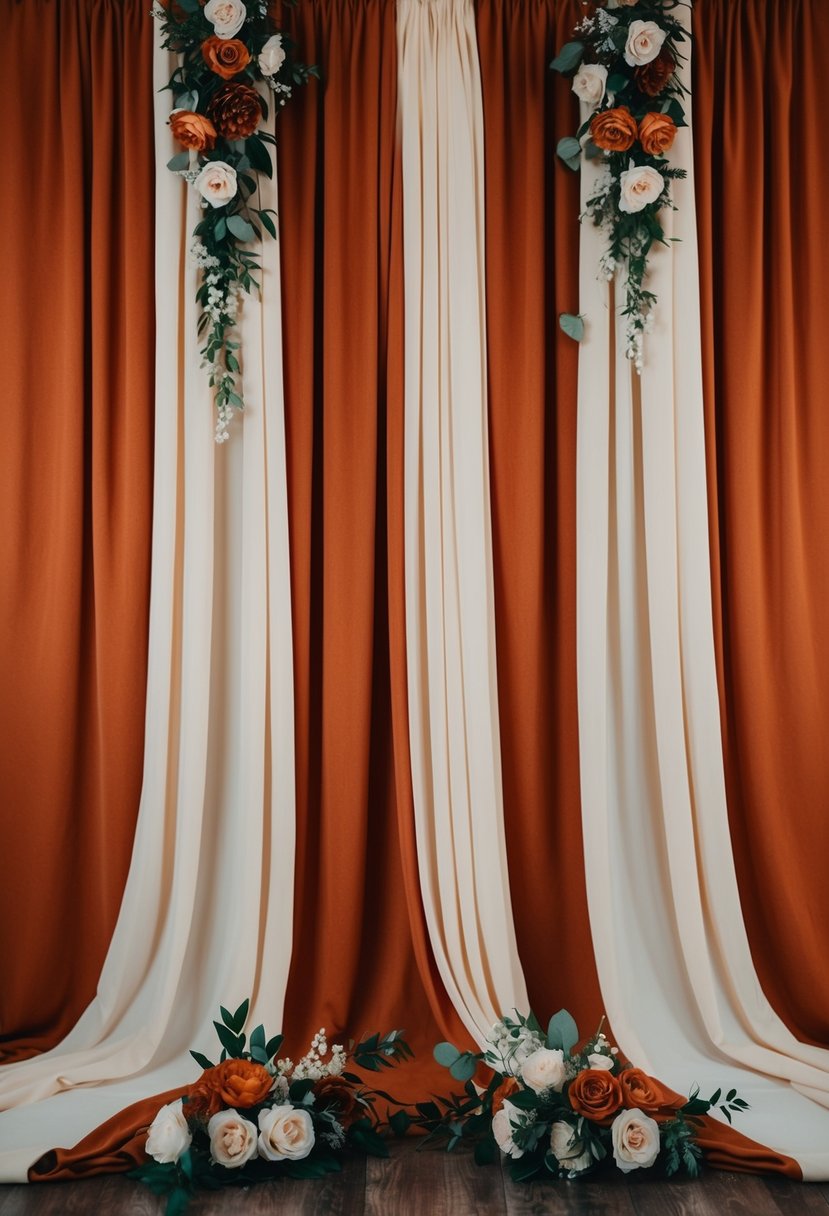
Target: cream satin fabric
208,907
674,964
450,622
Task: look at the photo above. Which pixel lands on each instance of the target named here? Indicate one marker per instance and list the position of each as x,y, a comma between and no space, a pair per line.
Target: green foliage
568,58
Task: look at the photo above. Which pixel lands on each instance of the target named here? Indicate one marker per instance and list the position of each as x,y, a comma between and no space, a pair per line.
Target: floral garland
624,67
256,1117
557,1112
226,49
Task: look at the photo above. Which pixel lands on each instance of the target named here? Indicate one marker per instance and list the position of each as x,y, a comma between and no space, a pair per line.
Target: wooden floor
430,1183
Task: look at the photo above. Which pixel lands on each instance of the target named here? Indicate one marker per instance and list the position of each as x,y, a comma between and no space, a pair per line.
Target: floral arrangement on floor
623,64
558,1112
231,56
255,1117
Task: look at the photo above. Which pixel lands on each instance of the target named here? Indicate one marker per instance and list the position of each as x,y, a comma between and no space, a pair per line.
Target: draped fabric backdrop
370,750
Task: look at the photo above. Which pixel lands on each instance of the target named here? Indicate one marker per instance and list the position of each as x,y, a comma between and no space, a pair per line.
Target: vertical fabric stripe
674,964
450,620
207,911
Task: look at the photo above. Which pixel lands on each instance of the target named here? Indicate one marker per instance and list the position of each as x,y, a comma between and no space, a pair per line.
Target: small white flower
598,1060
272,56
168,1136
226,16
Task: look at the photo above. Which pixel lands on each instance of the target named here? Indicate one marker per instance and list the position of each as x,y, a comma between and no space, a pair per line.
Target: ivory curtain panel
371,707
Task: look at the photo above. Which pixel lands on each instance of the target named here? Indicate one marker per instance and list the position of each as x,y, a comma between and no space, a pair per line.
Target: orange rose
193,130
596,1094
656,133
336,1095
507,1087
225,56
641,1092
652,77
237,1083
614,130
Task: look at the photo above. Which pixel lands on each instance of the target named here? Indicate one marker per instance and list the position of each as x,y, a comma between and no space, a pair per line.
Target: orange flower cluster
225,56
193,130
617,130
236,1083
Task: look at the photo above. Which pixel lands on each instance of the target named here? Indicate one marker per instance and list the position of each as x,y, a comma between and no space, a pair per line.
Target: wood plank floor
431,1183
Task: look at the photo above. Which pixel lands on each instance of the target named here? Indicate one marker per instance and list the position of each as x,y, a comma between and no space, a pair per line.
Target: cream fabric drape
450,619
208,907
674,963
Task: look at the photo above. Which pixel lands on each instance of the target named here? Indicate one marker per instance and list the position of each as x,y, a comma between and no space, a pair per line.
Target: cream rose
564,1143
232,1139
168,1136
216,182
502,1131
589,83
286,1134
644,42
635,1139
226,16
597,1059
544,1069
639,187
272,56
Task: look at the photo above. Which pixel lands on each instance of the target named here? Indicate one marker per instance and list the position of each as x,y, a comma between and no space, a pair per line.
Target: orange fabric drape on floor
75,494
359,930
532,253
762,183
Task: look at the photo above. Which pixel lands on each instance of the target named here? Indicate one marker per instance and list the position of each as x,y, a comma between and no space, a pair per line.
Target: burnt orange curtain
361,957
532,206
75,494
762,180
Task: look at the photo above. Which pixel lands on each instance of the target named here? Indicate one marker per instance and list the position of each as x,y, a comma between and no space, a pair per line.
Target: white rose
216,182
502,1131
232,1139
644,42
564,1143
544,1069
272,56
285,1133
598,1059
635,1140
226,16
589,83
169,1136
639,187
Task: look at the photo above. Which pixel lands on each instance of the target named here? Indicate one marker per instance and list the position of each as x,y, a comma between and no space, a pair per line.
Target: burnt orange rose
596,1094
656,133
336,1095
614,130
652,77
507,1087
193,130
236,110
641,1092
225,56
237,1083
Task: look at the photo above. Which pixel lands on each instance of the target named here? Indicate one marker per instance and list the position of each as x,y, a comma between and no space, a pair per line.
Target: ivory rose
639,187
596,1094
285,1134
216,183
614,130
193,130
232,1139
272,56
226,16
225,56
589,83
656,133
544,1069
564,1143
168,1136
635,1139
502,1131
644,42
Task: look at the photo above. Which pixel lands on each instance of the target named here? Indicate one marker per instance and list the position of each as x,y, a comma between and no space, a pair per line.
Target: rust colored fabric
762,181
359,929
75,495
532,207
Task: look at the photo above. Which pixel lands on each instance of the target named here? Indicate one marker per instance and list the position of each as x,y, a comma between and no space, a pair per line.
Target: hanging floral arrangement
232,58
623,65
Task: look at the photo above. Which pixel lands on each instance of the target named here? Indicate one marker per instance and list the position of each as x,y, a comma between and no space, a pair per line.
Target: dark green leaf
178,162
568,58
240,1016
240,228
259,155
486,1152
463,1069
573,326
446,1054
562,1027
400,1122
201,1060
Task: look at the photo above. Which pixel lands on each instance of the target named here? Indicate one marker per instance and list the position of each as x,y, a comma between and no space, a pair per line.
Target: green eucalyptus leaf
573,326
463,1069
567,147
240,228
568,58
179,162
562,1025
446,1054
